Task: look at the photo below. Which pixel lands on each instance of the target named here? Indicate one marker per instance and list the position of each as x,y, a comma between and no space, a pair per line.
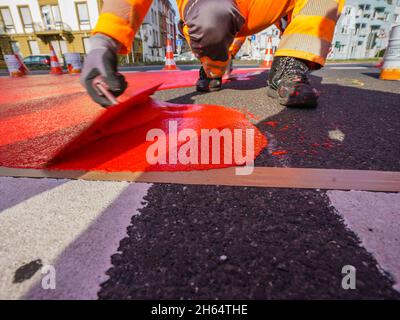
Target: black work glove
102,60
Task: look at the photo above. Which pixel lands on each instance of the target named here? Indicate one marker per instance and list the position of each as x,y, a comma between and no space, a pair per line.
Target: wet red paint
43,86
284,128
279,153
38,124
327,145
272,124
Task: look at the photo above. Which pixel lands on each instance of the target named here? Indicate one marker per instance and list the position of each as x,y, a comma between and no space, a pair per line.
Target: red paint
42,86
249,115
272,124
285,128
327,145
279,153
41,124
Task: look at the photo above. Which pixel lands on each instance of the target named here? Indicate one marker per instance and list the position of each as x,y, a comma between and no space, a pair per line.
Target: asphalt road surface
118,240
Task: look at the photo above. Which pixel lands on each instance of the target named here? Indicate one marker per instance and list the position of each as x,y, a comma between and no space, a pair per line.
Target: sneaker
288,82
205,84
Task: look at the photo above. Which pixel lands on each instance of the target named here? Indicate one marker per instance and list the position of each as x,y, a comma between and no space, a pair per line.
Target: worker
210,27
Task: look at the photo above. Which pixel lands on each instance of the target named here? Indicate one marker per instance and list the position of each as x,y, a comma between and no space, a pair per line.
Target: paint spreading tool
111,121
102,89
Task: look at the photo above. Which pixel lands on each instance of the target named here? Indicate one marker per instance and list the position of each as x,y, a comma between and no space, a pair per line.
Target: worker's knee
212,26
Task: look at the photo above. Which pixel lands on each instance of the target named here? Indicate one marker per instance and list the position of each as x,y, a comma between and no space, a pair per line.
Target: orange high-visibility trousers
236,45
210,26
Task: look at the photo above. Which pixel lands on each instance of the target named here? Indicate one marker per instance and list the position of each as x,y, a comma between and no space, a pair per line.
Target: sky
173,2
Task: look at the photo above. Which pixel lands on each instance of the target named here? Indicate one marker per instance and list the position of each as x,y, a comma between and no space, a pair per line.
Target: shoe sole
309,101
208,89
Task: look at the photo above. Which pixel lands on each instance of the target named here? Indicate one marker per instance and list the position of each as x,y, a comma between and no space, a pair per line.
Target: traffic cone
169,57
15,66
23,68
391,61
54,64
269,55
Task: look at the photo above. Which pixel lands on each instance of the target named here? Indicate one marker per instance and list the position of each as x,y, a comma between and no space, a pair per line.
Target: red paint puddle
84,136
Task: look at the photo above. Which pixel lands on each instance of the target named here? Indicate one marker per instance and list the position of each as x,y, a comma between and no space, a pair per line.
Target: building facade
254,47
363,28
28,26
167,17
158,26
362,31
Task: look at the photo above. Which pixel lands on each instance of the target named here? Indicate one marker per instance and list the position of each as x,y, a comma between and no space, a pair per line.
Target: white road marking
375,218
336,135
74,225
347,68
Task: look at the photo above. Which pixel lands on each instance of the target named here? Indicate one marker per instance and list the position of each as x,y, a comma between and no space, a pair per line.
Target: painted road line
348,68
302,178
75,226
375,218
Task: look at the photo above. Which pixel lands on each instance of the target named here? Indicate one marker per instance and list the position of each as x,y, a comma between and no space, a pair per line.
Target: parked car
37,61
185,56
246,57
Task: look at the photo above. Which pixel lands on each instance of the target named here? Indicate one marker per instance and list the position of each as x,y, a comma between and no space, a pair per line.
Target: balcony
58,28
7,30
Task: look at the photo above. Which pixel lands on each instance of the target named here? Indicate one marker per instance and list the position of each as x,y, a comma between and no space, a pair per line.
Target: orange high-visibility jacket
308,35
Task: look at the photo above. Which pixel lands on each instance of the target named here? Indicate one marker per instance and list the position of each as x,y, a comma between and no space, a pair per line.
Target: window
34,47
86,44
51,17
6,21
60,46
100,4
26,18
15,46
83,15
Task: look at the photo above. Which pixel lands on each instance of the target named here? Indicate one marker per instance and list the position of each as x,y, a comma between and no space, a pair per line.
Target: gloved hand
102,60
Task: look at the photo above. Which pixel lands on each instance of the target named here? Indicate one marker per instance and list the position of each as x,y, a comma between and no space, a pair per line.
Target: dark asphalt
209,242
365,109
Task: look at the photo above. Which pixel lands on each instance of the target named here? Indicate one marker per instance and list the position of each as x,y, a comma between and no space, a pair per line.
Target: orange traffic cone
169,57
391,61
54,64
269,55
23,68
15,65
